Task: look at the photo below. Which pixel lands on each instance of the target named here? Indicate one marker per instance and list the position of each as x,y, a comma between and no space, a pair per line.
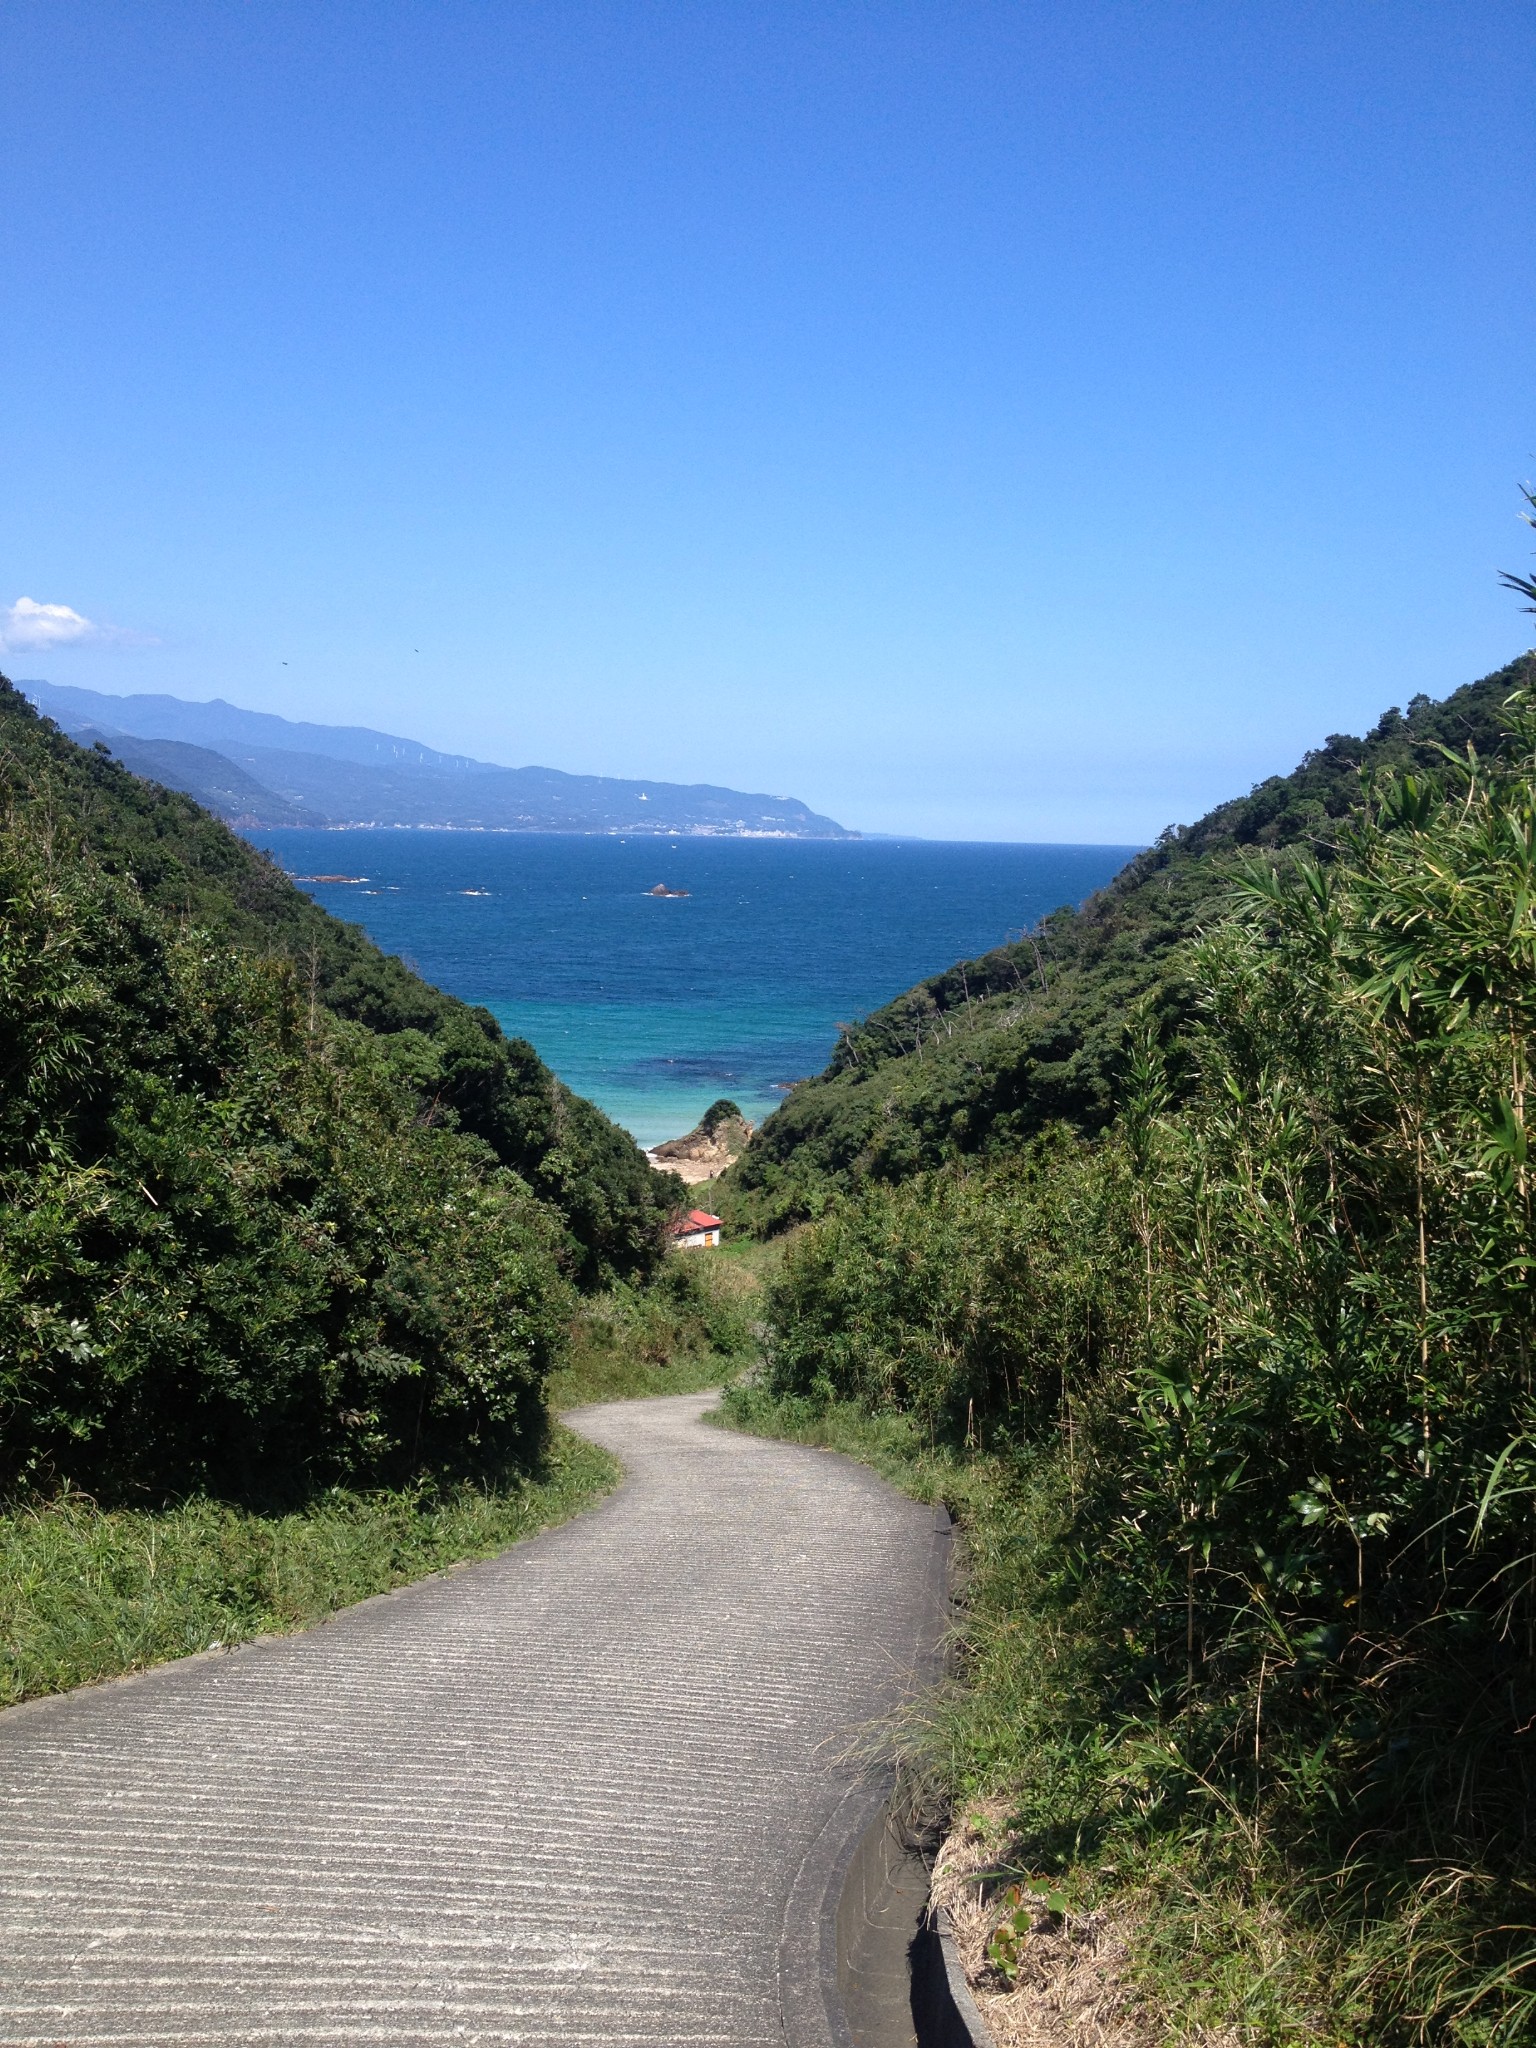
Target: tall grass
1224,1948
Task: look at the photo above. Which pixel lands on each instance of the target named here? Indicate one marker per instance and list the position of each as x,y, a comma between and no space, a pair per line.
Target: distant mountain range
254,769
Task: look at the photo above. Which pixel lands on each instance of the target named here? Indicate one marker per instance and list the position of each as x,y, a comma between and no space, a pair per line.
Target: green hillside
975,1060
189,866
274,1214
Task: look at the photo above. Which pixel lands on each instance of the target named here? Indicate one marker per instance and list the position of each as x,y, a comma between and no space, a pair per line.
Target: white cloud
27,623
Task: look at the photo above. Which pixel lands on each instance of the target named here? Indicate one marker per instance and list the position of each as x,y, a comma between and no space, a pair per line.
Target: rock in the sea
722,1136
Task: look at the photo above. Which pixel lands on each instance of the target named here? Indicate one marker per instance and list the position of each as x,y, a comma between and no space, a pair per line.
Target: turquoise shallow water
656,1006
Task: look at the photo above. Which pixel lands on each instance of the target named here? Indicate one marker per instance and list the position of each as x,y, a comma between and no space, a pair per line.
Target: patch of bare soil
1067,1986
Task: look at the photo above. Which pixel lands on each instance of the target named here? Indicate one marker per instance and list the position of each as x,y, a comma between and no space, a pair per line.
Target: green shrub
232,1254
691,1326
969,1298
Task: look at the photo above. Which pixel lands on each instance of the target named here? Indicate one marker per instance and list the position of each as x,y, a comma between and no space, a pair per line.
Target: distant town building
698,1227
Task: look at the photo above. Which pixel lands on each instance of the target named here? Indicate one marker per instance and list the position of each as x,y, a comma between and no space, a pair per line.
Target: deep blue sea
654,1006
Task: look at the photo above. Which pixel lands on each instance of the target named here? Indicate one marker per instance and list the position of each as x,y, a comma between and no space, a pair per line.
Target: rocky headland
722,1135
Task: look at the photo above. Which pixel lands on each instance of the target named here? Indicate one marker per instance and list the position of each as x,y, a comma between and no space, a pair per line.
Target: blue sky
986,421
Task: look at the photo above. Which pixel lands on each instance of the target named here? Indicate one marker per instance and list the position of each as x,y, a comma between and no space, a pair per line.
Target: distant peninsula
255,771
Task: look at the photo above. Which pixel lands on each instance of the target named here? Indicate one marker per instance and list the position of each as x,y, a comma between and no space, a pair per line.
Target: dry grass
1070,1986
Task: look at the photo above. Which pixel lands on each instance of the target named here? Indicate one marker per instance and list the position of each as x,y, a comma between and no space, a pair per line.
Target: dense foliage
190,868
973,1062
232,1254
689,1327
260,1227
1263,1343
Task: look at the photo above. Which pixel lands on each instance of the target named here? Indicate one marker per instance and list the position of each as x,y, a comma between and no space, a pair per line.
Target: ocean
655,1006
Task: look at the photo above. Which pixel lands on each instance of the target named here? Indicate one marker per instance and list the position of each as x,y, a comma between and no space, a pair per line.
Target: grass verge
88,1593
893,1445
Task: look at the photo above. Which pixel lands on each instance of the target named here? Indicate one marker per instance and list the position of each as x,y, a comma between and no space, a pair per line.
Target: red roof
696,1219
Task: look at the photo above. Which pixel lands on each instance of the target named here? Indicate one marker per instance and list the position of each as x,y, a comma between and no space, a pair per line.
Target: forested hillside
977,1059
456,1058
273,1212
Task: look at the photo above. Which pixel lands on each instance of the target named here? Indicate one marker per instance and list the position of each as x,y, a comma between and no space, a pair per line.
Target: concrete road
590,1791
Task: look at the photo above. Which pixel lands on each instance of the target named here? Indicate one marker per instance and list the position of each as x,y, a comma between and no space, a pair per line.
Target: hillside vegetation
1229,1367
274,1214
975,1060
190,873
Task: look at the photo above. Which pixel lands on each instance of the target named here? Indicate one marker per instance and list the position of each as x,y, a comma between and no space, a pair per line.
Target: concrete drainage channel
898,1977
899,1980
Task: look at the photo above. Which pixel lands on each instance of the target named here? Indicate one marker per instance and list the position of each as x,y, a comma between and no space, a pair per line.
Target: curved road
589,1791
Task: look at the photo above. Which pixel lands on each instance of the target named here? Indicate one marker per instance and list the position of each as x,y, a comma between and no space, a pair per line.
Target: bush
690,1326
232,1254
970,1299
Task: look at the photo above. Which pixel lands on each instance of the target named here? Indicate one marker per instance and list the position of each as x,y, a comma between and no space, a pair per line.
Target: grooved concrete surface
586,1792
